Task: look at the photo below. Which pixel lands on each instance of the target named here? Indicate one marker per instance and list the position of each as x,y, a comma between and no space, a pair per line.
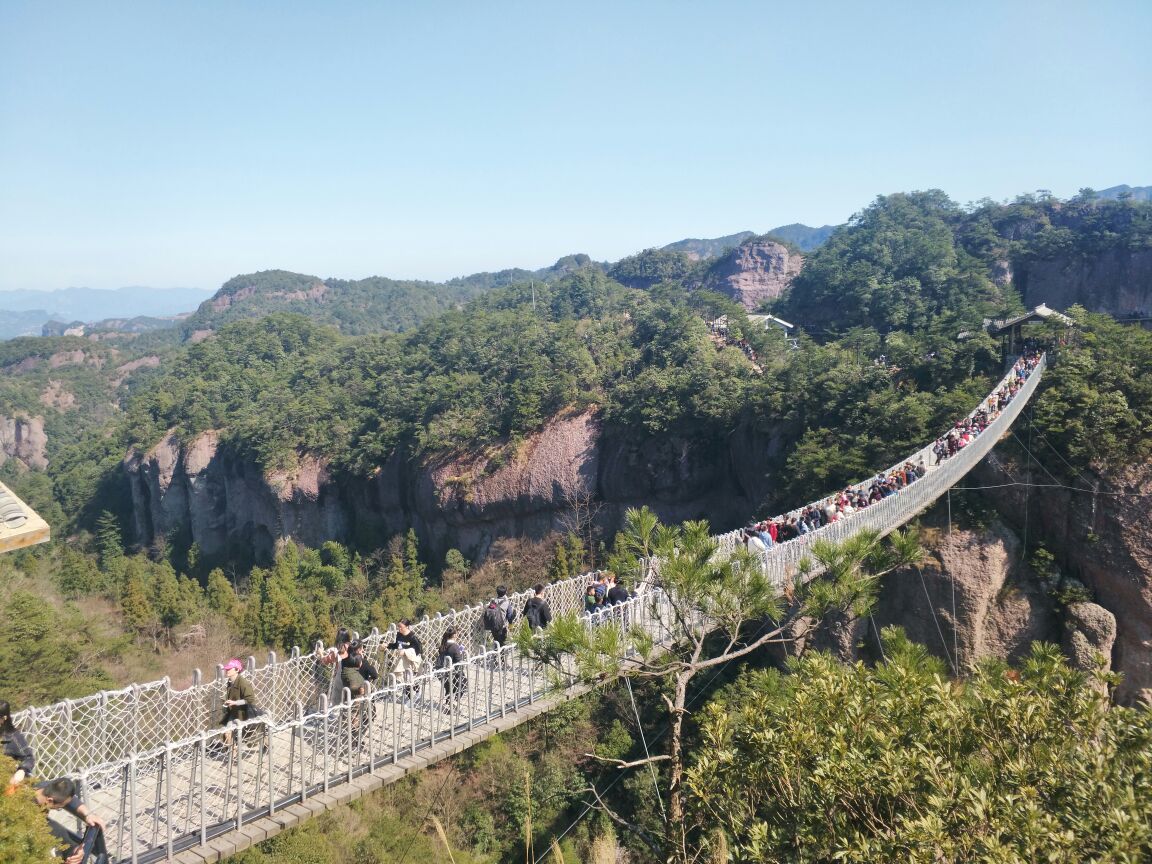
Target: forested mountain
912,258
697,249
1124,191
410,435
358,306
803,237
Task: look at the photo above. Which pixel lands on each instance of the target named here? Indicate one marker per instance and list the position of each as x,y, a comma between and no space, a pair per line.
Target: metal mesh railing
147,752
181,793
77,734
782,561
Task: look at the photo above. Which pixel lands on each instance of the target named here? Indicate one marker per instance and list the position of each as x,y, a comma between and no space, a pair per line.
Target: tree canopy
897,763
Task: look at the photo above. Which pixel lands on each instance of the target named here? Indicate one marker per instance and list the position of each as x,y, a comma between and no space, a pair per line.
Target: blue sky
181,143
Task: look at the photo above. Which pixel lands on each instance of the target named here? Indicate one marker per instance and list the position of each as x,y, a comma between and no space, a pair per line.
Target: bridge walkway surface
151,761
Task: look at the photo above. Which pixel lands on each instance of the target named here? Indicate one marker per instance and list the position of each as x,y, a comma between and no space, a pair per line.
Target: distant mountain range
1136,193
24,313
697,249
366,305
803,237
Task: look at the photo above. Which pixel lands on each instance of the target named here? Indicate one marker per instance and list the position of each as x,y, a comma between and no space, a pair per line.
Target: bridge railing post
168,798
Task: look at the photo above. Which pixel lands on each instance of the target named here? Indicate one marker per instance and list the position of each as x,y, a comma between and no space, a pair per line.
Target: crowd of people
604,591
406,653
719,329
761,536
357,676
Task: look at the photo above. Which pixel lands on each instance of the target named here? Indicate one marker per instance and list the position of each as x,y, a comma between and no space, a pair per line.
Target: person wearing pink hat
239,697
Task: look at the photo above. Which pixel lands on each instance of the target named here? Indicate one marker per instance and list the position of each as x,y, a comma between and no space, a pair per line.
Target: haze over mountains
24,312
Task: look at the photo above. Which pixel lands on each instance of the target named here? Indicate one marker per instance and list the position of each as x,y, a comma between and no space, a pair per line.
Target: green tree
896,763
723,608
221,596
109,541
24,834
558,569
47,652
403,582
136,602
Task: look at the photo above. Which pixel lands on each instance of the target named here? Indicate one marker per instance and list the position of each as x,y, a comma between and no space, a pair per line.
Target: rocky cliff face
1117,281
976,596
23,438
1103,540
198,490
754,272
972,598
570,472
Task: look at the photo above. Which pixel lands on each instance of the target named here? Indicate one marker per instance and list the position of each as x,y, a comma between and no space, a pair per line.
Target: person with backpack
498,614
452,656
537,612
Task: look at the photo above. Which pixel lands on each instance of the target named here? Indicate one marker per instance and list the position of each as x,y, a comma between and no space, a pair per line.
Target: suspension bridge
150,760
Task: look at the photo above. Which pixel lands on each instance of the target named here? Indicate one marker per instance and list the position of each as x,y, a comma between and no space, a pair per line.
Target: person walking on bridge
409,651
498,614
452,657
239,697
60,794
537,612
15,747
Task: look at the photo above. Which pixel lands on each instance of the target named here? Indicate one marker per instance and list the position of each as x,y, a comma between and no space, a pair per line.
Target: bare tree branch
620,763
648,839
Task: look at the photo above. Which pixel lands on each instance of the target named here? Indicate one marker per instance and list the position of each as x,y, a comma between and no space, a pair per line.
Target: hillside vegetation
383,369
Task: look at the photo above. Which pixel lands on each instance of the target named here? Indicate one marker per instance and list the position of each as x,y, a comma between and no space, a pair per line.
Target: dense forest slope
356,306
551,405
299,464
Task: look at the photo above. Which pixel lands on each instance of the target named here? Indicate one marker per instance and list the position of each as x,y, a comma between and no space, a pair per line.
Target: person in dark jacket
406,639
239,697
15,746
408,657
617,593
452,656
367,671
60,794
537,612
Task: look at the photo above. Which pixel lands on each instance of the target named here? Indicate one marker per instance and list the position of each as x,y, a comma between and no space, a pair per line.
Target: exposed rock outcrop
23,438
1101,539
753,272
56,395
224,503
972,598
570,472
1117,281
1089,634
